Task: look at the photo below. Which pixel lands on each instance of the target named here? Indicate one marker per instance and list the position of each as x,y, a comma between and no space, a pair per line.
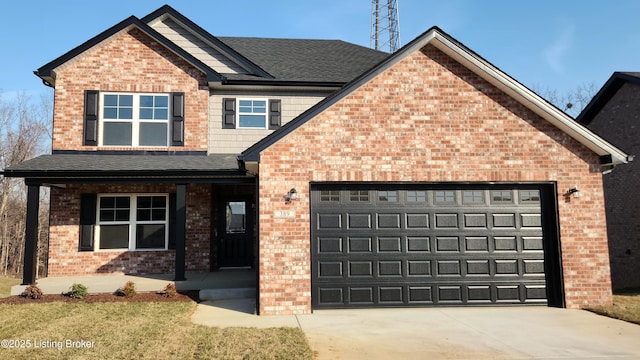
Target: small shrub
77,291
32,291
128,290
169,290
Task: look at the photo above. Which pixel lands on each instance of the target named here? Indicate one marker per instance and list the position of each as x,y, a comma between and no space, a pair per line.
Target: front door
235,233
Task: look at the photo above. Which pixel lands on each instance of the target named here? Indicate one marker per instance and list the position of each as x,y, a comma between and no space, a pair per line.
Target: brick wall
618,122
427,119
128,61
65,259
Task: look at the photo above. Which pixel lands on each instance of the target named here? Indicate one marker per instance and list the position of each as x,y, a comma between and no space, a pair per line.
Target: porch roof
96,168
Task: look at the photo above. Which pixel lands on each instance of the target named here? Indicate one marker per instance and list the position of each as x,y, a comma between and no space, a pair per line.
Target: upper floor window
135,120
252,114
246,113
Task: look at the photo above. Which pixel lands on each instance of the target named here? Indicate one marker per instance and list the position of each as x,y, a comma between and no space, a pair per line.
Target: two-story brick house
150,116
345,176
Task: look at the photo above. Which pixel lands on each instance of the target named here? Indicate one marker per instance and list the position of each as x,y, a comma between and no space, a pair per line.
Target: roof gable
605,94
241,60
167,11
463,55
47,73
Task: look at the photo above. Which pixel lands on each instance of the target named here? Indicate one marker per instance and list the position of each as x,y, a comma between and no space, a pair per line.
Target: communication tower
385,33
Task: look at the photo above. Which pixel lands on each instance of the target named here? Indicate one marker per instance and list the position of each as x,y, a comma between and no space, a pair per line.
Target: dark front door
235,233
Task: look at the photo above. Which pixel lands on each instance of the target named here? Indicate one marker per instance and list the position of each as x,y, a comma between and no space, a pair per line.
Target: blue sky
544,44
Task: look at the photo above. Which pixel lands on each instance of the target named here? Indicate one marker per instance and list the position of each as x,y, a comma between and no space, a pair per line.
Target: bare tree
24,133
573,101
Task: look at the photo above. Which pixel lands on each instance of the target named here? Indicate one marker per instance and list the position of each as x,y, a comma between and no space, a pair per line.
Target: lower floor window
133,222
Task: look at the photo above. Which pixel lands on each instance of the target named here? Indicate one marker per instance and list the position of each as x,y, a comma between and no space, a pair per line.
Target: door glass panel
236,217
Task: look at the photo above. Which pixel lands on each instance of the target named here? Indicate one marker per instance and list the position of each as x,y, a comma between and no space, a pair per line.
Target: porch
228,282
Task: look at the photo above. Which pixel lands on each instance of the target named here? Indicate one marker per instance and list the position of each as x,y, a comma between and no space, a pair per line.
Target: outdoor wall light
290,196
573,192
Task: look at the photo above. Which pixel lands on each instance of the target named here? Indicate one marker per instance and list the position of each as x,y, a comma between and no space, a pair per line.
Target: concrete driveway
469,333
445,333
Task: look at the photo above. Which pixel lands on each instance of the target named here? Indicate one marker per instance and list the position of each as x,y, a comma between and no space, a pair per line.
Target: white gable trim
525,96
480,67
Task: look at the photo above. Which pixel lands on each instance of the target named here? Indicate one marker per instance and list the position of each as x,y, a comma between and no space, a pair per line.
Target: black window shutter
172,221
177,119
275,112
228,113
88,203
91,108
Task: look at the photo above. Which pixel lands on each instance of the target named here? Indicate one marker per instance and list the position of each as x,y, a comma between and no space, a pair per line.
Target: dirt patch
185,296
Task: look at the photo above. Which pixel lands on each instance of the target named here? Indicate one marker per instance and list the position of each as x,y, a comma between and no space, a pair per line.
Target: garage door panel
391,295
448,268
390,244
331,296
477,244
388,221
328,245
359,244
360,269
449,294
447,244
479,293
420,295
478,267
532,243
417,221
446,221
417,244
405,247
475,221
358,221
391,268
419,268
327,221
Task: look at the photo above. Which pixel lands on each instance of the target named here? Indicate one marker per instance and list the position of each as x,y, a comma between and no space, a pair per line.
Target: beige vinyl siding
196,47
226,141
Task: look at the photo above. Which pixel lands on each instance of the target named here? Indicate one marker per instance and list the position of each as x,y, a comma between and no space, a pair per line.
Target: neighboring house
430,178
614,113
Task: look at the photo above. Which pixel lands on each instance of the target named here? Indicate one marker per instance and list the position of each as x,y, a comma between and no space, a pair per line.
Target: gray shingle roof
72,165
305,60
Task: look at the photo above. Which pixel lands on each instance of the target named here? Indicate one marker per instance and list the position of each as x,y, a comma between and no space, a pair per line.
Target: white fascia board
527,97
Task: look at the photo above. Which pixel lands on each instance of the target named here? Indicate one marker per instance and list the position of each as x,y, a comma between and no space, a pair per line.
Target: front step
228,293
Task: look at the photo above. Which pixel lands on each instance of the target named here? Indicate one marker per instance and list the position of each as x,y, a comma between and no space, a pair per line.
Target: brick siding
427,119
128,62
65,259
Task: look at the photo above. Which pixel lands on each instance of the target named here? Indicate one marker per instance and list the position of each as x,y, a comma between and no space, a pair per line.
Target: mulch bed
185,296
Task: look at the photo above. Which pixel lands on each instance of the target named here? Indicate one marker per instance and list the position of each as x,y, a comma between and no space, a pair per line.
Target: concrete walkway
444,333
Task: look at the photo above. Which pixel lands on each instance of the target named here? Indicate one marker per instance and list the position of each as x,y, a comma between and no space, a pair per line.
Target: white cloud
555,53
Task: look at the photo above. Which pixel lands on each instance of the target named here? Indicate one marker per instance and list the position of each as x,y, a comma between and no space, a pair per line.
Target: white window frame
266,113
132,222
135,119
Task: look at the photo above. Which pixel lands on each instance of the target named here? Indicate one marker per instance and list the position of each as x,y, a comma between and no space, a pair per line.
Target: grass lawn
130,330
626,306
133,330
6,284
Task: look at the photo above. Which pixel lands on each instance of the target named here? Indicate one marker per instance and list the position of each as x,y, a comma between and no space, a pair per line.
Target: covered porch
193,186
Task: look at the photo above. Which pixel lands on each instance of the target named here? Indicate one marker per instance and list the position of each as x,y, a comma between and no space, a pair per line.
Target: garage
394,245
